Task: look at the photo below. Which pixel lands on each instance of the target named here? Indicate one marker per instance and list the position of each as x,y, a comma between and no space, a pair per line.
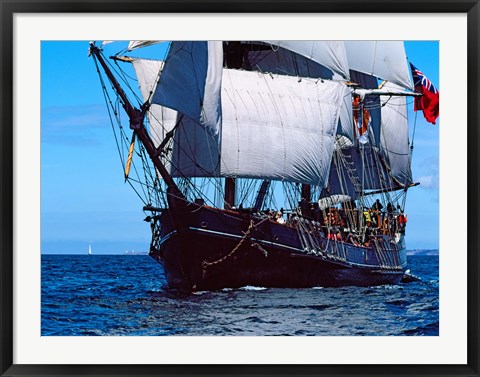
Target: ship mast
262,193
175,197
305,199
230,186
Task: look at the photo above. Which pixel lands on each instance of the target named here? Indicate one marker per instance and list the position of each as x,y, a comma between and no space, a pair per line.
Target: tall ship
269,163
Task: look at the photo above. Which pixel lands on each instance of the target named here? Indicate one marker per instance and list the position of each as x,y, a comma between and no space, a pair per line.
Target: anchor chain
246,235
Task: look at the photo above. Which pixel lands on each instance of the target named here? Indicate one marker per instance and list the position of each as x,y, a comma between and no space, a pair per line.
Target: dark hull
214,249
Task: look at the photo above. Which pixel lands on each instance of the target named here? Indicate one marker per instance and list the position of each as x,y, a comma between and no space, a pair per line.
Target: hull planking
214,249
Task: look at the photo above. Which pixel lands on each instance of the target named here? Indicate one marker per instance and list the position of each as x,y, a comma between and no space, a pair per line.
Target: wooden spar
168,136
130,156
174,196
306,197
306,192
385,92
391,189
229,193
382,84
125,59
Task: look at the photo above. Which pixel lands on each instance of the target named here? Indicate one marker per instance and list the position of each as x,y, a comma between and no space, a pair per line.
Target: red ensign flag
429,102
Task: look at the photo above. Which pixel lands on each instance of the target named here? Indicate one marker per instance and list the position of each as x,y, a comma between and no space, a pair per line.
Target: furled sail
383,59
330,201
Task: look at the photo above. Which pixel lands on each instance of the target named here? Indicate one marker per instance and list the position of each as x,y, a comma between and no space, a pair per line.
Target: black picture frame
9,8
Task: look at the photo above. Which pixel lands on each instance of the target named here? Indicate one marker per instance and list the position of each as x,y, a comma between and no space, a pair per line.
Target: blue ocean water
126,295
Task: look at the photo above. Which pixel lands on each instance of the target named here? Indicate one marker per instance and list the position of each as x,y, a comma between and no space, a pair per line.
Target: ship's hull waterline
214,249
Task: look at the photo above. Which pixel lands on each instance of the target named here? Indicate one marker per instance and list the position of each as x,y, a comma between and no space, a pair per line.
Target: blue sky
83,195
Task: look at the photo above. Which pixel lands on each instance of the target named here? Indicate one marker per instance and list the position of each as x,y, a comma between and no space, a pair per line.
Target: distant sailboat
89,249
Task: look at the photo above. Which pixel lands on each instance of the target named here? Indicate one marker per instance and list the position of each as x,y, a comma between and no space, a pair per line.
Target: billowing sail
345,122
133,45
191,81
265,126
148,72
161,119
383,59
394,136
330,54
371,103
196,151
273,127
354,170
278,127
268,126
266,57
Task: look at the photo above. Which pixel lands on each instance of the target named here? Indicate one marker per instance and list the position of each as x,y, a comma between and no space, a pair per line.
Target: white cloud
428,181
74,125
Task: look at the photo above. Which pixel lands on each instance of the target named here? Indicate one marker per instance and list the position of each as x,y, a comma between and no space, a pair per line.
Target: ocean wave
388,286
199,293
95,302
252,288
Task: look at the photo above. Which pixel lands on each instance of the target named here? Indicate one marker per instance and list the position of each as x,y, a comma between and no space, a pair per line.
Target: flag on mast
429,102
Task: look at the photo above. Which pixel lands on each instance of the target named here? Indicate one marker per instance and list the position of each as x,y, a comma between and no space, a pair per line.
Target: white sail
185,161
191,81
387,168
89,249
256,124
371,103
278,127
330,201
148,72
196,151
133,45
273,127
394,138
383,59
161,119
330,54
345,123
354,167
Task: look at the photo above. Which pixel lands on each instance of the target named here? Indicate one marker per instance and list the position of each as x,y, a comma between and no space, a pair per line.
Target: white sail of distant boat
89,249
